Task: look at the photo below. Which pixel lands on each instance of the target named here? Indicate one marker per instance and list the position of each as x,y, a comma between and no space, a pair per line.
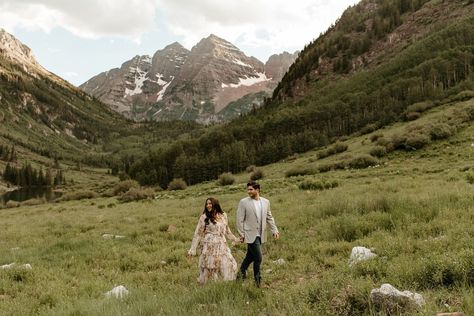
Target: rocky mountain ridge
194,85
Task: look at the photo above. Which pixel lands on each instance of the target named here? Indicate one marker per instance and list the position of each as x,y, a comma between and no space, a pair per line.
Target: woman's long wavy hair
216,209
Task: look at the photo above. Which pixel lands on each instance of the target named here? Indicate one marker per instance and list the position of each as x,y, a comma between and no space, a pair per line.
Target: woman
215,261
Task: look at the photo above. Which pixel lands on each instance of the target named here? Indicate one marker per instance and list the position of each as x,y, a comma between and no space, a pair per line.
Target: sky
80,39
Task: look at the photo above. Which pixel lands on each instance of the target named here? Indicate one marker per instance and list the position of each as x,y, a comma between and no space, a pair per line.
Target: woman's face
209,205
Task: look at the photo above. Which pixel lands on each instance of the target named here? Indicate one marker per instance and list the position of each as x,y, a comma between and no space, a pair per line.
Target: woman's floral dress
216,261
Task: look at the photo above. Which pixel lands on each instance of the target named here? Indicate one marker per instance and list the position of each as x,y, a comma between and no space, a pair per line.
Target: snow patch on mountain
247,81
162,91
140,78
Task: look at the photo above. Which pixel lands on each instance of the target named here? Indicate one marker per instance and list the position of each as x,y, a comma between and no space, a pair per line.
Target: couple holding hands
216,261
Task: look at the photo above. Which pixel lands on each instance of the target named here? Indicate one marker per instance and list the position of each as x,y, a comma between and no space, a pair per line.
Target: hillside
413,208
435,67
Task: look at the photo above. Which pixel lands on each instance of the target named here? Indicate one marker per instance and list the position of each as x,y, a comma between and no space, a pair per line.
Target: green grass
416,209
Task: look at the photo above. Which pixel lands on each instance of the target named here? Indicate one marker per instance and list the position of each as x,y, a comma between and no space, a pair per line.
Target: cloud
276,24
85,18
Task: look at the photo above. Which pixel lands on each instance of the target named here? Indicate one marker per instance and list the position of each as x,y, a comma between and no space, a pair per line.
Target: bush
79,195
369,128
32,202
440,131
299,171
226,178
417,141
257,174
419,107
334,149
378,151
250,168
362,161
317,185
177,184
136,194
375,137
124,186
411,116
12,204
463,96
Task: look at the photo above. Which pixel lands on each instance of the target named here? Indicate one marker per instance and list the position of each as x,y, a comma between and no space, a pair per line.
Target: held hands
276,236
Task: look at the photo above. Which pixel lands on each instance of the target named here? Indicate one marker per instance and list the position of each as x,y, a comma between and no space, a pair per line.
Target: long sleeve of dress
228,232
198,235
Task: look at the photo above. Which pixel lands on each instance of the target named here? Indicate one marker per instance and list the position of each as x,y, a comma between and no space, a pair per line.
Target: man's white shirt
258,208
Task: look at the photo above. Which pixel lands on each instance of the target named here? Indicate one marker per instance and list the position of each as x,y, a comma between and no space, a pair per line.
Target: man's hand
242,239
276,236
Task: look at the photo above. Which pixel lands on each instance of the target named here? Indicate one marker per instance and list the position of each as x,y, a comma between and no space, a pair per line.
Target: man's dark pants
254,254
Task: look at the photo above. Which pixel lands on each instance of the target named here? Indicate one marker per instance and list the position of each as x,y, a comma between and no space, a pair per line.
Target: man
253,215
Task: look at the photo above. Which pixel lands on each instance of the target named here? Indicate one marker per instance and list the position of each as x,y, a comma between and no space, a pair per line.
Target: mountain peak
13,49
174,46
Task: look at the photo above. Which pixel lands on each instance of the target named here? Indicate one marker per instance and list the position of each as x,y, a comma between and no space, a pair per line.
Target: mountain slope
44,113
335,101
190,85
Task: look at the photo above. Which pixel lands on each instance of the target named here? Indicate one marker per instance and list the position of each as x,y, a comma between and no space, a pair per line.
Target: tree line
27,176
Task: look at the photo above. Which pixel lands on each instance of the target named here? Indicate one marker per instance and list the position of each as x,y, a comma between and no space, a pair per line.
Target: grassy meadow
415,208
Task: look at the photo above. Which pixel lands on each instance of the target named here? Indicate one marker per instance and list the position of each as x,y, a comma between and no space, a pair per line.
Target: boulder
360,254
117,292
390,300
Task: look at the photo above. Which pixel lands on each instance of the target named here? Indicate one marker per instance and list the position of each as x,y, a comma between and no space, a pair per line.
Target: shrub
299,171
317,185
334,149
79,195
226,178
378,151
369,128
124,186
440,131
177,184
397,141
340,147
417,141
250,168
257,174
32,202
411,116
419,107
12,204
362,161
136,194
375,137
463,96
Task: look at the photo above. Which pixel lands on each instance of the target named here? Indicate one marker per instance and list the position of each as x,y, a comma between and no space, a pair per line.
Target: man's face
253,193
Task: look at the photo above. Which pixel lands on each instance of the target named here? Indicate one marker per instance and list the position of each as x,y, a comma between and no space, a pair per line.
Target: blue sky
79,39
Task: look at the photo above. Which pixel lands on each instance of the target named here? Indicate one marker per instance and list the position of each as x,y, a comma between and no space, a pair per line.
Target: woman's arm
228,232
198,234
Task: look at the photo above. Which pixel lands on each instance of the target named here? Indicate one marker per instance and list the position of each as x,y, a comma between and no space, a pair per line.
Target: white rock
13,264
26,266
107,236
119,236
360,254
280,261
15,248
117,292
392,299
7,266
163,262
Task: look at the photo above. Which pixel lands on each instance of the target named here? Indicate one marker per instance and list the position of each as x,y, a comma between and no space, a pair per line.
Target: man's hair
254,185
